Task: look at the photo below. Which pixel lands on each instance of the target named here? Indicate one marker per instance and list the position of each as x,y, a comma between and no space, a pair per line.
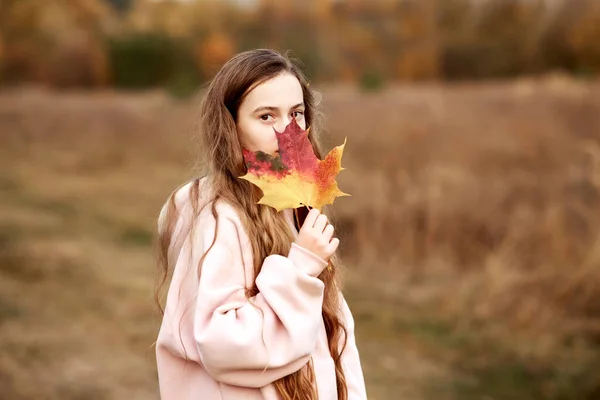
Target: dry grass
471,239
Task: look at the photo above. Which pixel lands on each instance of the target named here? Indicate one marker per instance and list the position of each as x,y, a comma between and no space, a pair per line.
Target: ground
470,240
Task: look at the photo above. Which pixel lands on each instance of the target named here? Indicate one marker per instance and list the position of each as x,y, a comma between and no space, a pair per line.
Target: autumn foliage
69,43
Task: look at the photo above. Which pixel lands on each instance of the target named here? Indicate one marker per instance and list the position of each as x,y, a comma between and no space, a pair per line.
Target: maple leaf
295,177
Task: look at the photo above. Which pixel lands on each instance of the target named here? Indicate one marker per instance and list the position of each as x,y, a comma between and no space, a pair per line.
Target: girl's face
270,105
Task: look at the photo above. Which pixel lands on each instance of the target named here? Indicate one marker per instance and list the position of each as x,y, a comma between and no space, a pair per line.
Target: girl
252,312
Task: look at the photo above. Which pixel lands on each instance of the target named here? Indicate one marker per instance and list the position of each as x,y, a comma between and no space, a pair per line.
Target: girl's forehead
281,90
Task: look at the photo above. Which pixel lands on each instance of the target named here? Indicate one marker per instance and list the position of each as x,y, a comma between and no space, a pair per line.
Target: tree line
143,43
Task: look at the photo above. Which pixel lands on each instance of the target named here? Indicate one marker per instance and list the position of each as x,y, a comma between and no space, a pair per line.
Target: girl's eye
265,117
297,114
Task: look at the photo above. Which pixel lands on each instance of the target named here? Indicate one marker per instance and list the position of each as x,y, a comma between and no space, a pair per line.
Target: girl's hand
316,234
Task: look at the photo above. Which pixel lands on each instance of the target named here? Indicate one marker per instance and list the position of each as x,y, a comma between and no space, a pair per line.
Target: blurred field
471,240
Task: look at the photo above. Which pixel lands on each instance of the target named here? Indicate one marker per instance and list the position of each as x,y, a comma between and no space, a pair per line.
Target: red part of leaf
295,177
295,149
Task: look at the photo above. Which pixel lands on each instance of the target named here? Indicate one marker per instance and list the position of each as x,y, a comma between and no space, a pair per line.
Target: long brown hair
224,165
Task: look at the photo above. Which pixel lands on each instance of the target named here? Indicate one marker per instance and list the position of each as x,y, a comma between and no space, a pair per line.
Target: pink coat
215,343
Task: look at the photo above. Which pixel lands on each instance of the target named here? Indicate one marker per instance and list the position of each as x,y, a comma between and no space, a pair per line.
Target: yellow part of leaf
292,191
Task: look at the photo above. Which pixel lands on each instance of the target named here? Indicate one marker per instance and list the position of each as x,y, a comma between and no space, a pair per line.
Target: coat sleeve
351,358
252,342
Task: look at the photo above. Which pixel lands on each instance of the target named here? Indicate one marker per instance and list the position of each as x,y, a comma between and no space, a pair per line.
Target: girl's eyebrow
265,108
271,108
298,105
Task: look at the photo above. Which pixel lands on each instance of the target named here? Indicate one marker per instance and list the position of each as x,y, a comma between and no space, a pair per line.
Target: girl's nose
282,123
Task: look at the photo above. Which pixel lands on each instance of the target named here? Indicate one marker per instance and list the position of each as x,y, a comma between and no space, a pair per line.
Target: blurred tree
18,22
395,39
146,16
417,41
355,28
292,26
453,18
120,5
213,52
488,39
141,60
508,29
584,38
195,30
59,43
63,42
556,42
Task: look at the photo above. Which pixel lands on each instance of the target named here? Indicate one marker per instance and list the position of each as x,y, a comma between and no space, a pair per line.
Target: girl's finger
328,232
311,218
320,223
332,246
